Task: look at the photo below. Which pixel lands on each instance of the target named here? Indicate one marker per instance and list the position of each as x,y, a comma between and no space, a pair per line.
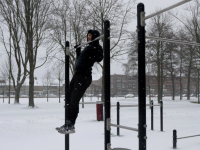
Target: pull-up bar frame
84,44
172,41
166,9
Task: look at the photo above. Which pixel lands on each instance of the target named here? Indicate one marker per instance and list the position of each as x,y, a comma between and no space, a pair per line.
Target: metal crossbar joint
108,124
67,51
145,126
109,146
142,15
145,137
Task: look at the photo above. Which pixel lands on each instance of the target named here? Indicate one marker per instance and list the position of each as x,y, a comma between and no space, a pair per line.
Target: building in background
120,86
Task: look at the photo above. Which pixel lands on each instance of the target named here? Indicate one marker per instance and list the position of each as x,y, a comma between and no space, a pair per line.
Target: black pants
77,88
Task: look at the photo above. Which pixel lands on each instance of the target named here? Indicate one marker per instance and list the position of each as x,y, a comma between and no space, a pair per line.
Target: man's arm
78,51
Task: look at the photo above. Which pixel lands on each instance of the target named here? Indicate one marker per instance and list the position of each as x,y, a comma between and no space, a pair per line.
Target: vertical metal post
66,90
101,112
161,115
83,101
141,77
174,139
118,107
151,114
198,85
107,79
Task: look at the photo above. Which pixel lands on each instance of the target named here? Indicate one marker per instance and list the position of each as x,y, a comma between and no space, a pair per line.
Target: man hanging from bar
82,78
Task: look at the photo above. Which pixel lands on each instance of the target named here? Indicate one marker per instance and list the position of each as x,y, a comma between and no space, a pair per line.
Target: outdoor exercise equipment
175,138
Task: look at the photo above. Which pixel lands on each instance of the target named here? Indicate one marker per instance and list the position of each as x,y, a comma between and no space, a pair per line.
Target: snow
23,128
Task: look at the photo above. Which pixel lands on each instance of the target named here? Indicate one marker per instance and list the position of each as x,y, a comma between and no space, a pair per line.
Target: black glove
78,50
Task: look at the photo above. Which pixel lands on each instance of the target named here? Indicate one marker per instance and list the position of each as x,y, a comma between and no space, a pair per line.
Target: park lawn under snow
23,128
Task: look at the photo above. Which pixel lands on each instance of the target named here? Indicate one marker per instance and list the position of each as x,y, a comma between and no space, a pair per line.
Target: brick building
120,85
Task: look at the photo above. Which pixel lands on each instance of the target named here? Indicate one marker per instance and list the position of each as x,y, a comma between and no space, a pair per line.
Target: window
119,85
123,79
54,87
111,79
118,79
129,86
123,85
111,86
133,86
129,78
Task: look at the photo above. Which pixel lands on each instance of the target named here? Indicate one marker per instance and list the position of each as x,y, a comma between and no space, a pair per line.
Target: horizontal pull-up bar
172,41
123,127
166,9
109,124
188,136
91,102
134,105
101,36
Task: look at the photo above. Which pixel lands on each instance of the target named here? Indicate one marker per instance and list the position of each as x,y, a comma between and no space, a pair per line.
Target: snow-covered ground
23,128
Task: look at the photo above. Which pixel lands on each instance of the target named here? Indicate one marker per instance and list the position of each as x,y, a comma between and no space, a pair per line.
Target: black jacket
91,54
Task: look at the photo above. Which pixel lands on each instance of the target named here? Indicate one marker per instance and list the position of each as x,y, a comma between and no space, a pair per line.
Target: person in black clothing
82,78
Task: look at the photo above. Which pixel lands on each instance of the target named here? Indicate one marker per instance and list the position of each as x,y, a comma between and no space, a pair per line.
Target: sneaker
58,128
68,122
67,129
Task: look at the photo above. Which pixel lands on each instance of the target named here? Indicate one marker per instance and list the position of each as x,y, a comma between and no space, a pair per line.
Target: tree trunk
59,91
47,93
17,93
3,96
158,79
9,90
181,88
31,87
188,84
173,88
161,77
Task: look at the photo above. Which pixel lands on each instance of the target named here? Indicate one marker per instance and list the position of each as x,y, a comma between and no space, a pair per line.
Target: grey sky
150,6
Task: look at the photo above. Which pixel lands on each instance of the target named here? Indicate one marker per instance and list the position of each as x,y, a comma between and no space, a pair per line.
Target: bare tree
59,74
120,14
190,21
159,26
7,67
32,16
47,82
66,23
13,44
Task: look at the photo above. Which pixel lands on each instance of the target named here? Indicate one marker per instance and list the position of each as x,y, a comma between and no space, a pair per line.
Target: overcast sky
150,6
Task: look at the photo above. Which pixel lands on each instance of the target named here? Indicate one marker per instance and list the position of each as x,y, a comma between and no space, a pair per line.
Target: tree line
170,59
33,34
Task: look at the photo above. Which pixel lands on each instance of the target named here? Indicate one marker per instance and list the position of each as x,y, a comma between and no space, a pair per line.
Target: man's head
93,34
89,37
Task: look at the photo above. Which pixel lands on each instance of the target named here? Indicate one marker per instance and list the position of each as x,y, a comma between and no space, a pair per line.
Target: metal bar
123,127
151,114
66,91
133,105
83,102
91,102
101,36
161,115
118,107
172,41
106,47
198,85
174,139
101,112
141,79
189,136
166,9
